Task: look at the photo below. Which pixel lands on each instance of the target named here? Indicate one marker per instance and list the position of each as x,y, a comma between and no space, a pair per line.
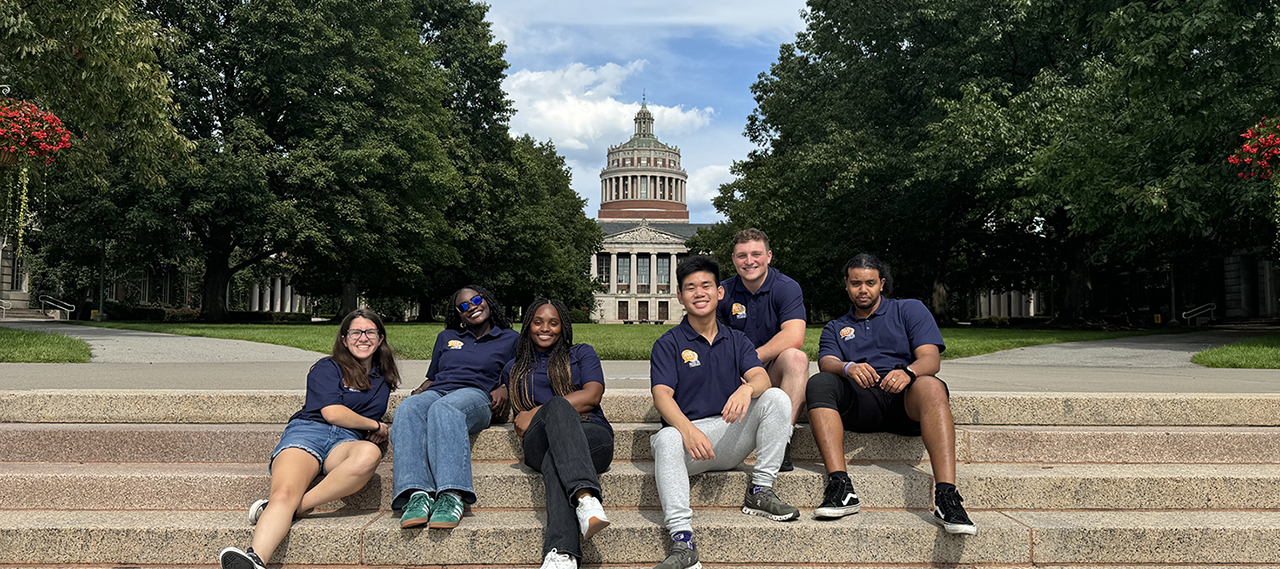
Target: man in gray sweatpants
717,405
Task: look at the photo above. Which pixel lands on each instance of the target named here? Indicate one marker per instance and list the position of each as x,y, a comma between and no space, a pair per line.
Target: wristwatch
910,374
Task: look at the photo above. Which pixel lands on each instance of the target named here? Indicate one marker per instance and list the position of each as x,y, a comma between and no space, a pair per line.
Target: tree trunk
217,274
1079,287
350,297
938,302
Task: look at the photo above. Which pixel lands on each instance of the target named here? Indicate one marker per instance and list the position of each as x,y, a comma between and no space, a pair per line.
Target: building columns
613,278
255,298
632,286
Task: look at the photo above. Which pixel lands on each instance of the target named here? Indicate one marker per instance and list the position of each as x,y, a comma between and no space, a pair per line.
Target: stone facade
645,220
13,280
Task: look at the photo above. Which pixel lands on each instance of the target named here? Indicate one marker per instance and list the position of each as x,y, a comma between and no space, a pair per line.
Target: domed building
645,220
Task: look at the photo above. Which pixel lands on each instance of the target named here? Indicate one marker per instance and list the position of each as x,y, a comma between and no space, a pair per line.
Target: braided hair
497,315
522,368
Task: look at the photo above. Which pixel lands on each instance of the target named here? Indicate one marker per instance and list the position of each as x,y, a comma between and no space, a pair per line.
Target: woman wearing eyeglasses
431,473
556,387
336,433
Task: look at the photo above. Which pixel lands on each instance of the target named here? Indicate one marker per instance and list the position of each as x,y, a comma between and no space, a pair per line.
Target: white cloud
704,182
575,107
777,20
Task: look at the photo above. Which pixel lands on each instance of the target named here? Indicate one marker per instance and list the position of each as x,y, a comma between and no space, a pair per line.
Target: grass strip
24,346
611,341
1254,353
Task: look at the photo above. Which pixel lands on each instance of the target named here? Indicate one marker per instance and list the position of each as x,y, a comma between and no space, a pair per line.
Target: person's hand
421,388
736,407
895,381
697,444
499,397
381,435
522,421
863,374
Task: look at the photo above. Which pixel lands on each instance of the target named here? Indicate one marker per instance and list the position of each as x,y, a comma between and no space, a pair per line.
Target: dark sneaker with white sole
680,555
233,558
948,512
839,499
761,501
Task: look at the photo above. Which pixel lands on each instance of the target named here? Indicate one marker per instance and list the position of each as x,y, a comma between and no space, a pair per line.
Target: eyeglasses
372,333
475,301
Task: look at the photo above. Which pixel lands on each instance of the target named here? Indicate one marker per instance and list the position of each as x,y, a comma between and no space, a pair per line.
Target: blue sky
578,69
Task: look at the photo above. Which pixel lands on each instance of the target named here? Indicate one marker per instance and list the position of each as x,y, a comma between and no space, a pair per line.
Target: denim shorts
317,438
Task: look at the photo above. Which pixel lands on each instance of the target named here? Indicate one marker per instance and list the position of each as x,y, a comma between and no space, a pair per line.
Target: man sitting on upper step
717,406
878,374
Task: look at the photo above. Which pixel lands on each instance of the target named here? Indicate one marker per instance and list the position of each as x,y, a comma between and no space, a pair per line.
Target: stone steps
504,538
636,406
135,486
137,442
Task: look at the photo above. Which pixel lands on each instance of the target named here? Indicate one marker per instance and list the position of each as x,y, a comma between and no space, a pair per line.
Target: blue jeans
432,451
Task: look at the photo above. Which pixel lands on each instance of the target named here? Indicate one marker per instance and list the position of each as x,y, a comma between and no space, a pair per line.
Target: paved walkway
126,359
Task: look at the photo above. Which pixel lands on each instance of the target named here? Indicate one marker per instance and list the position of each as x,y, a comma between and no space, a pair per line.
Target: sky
579,69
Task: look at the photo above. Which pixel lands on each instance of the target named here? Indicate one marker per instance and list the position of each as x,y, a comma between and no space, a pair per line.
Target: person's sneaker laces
557,560
839,499
680,555
761,501
591,518
255,511
447,512
786,465
950,514
417,511
233,558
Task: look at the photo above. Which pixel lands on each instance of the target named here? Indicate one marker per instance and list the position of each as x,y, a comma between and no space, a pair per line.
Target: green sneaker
417,511
447,512
761,501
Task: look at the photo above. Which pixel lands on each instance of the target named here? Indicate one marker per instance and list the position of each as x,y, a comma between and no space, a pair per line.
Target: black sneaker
232,558
681,555
839,499
786,460
950,514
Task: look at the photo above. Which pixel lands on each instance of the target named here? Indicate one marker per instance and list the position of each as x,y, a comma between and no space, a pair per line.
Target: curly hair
497,315
869,261
522,368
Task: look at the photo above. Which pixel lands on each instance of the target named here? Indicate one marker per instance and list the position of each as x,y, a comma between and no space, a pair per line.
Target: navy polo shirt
584,367
885,339
703,375
760,315
459,359
325,388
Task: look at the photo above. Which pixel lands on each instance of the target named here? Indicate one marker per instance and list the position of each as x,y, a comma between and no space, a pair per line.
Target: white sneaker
557,560
233,558
591,518
255,511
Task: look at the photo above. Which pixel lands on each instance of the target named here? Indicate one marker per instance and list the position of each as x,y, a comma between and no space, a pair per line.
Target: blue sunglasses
467,305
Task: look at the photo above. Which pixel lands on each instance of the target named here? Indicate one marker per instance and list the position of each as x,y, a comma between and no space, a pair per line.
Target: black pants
570,454
862,409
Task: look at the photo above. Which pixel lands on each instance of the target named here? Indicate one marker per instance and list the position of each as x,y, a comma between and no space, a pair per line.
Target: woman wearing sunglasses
431,473
336,433
556,387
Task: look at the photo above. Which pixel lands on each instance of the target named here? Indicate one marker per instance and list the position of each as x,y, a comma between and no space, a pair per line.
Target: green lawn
611,341
1255,353
22,346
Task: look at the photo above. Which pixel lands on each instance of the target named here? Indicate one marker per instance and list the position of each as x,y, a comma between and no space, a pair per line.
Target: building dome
642,178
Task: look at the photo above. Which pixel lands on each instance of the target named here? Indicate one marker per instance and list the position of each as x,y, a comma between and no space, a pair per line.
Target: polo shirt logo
455,344
691,358
739,311
846,333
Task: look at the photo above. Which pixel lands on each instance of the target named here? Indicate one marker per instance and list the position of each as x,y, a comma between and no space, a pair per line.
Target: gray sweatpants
766,428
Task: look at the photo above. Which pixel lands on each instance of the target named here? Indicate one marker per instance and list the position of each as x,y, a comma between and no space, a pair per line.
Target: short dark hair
696,264
752,234
868,261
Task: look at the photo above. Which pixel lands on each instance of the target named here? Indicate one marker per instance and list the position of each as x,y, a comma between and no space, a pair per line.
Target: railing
4,308
58,304
1200,310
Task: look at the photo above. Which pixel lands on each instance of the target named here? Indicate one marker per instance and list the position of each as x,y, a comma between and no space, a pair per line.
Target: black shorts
862,409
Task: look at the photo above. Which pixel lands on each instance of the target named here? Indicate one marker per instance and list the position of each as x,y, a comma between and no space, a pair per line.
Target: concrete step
725,536
252,443
636,406
43,486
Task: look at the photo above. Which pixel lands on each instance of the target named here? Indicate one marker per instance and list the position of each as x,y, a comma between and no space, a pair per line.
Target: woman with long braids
556,387
336,433
431,470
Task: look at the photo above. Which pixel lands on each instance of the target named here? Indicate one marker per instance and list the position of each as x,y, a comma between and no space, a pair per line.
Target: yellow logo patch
690,357
846,333
455,344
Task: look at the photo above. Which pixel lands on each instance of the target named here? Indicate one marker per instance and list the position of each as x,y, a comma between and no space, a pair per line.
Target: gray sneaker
767,504
680,555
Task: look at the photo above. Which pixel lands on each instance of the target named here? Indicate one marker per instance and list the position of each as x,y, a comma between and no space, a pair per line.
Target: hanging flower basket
28,132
